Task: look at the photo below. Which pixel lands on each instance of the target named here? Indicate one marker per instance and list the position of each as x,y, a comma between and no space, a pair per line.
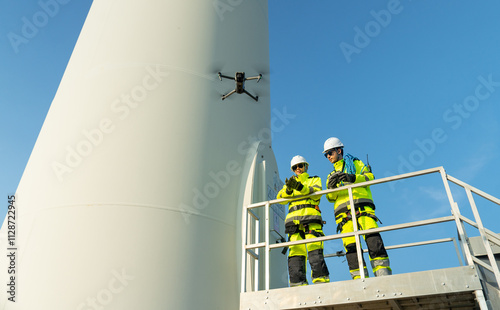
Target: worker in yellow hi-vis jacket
349,170
304,221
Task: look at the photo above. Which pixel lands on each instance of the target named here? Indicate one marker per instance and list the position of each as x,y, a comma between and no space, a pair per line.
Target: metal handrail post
481,300
256,261
458,252
484,237
359,252
456,214
244,249
267,250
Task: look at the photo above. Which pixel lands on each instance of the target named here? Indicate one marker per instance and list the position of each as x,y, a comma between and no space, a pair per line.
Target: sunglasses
294,167
330,152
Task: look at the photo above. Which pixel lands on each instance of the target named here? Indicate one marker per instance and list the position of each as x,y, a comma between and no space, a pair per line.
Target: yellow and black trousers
366,219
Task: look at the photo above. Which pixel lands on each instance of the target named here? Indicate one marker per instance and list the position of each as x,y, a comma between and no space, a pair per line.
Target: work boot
381,266
324,279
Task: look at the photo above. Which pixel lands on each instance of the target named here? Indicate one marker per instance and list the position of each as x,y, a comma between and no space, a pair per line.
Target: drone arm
225,76
256,98
228,94
258,77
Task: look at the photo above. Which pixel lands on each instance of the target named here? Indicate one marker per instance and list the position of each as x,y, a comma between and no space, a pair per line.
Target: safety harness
299,207
360,211
291,228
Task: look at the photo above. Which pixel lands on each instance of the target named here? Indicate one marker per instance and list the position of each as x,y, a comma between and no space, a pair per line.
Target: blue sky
413,84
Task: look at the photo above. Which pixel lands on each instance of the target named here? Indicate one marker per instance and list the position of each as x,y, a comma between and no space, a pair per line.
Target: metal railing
252,249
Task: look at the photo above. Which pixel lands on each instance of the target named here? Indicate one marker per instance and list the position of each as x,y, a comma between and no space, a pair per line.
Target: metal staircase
474,285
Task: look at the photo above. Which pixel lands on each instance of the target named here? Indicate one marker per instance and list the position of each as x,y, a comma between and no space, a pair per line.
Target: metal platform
452,288
473,286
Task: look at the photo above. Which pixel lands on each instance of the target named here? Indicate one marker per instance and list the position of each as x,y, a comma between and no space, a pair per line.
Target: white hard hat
332,143
297,160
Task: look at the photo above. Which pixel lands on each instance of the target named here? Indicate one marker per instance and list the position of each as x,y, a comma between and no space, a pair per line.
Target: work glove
294,184
333,180
288,190
347,177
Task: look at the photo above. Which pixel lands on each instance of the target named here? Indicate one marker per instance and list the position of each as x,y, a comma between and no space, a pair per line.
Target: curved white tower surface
132,196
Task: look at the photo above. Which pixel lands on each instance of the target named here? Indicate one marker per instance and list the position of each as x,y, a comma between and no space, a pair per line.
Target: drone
240,79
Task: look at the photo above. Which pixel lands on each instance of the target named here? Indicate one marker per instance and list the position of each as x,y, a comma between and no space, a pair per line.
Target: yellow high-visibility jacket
362,195
303,211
